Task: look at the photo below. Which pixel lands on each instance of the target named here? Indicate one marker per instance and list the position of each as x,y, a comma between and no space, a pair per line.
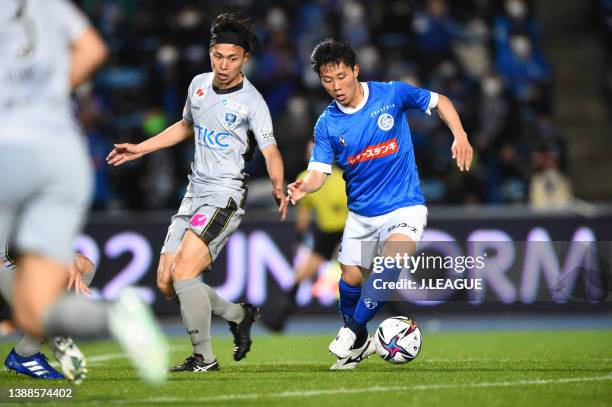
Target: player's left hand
282,202
76,281
462,152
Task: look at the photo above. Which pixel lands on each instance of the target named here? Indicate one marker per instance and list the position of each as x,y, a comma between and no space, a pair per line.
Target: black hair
332,52
242,27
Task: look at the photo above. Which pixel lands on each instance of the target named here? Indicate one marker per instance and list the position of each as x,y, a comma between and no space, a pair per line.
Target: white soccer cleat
356,356
342,345
70,358
133,325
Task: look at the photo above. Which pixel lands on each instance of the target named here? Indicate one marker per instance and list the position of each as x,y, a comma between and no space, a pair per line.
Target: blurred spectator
549,187
516,18
524,70
435,31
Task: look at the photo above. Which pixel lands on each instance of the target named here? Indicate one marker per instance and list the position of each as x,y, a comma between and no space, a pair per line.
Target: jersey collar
351,110
234,88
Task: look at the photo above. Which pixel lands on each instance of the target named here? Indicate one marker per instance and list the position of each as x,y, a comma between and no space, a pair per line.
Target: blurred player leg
44,230
27,357
277,317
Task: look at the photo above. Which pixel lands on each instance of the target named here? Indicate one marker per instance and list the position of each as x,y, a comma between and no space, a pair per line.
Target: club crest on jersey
342,141
231,120
385,122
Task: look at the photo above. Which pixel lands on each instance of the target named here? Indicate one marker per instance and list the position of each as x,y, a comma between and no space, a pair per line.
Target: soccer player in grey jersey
226,116
48,48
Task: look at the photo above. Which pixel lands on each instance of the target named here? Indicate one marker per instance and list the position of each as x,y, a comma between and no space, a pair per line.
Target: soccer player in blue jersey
365,131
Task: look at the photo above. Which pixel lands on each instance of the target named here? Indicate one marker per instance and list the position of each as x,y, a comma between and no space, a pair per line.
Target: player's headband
229,37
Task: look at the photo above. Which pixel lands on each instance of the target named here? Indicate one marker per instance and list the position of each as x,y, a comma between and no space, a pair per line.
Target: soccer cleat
342,345
195,363
70,358
132,324
35,366
242,331
356,356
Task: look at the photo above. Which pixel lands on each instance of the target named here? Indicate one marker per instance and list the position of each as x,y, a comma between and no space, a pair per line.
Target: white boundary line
374,389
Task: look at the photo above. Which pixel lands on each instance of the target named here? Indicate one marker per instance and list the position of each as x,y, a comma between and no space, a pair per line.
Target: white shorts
363,235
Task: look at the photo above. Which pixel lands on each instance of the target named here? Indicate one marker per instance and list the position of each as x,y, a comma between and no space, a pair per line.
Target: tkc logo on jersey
211,138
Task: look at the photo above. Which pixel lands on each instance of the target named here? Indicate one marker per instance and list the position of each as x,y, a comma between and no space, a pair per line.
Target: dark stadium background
533,91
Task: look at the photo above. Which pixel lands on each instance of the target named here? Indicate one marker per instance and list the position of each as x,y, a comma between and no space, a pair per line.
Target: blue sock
372,299
349,295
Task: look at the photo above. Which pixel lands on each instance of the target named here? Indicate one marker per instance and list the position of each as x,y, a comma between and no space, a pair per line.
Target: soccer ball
398,340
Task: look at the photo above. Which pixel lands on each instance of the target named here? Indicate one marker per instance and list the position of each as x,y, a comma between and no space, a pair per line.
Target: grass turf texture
543,368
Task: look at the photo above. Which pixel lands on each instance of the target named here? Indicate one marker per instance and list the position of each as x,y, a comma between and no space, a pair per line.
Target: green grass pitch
540,368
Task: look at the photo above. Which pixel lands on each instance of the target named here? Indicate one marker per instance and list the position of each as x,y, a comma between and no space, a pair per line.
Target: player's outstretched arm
276,171
312,182
173,135
461,148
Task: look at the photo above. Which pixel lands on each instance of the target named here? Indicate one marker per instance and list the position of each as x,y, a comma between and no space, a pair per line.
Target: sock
360,330
27,346
76,316
196,313
349,296
373,299
292,293
229,311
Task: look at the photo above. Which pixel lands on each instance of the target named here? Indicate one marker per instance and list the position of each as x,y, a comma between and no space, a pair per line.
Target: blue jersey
372,144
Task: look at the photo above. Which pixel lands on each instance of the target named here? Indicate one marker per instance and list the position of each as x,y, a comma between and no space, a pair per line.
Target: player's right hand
76,281
123,153
295,191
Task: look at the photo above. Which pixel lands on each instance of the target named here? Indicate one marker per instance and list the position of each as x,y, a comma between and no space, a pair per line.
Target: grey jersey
226,126
35,58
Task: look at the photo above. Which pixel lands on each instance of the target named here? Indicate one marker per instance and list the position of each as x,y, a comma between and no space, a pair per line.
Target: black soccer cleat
242,331
195,363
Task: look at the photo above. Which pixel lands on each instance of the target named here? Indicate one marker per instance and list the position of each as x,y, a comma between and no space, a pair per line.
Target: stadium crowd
485,55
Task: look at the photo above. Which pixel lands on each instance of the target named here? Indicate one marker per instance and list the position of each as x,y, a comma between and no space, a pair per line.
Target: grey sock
76,316
28,346
220,307
196,313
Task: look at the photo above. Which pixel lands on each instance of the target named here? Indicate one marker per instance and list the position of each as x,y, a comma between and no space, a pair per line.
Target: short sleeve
411,97
72,20
260,122
187,108
322,156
